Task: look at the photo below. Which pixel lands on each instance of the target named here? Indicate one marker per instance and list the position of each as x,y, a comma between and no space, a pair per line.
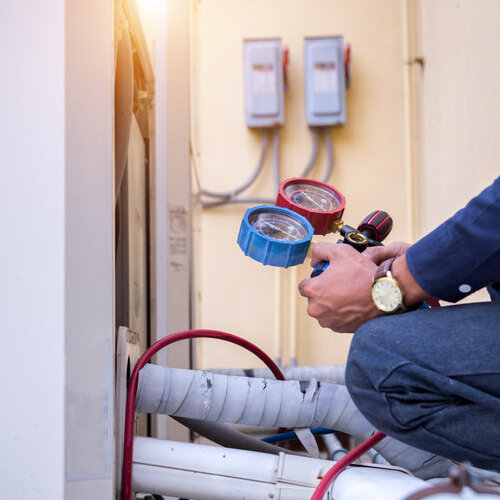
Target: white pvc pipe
270,403
211,472
186,470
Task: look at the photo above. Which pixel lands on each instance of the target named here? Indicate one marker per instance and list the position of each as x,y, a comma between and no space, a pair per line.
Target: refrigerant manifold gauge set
280,235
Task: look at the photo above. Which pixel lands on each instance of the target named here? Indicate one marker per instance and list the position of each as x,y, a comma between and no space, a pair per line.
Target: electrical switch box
263,69
325,81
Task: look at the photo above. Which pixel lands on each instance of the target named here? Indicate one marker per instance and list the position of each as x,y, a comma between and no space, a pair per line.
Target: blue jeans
431,378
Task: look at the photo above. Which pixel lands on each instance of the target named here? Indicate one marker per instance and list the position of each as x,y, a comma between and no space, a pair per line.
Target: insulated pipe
271,403
332,373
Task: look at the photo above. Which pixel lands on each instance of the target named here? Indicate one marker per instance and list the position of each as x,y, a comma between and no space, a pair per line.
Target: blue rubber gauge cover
275,236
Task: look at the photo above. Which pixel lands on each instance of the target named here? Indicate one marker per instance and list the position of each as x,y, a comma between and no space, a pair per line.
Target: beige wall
459,103
456,119
390,154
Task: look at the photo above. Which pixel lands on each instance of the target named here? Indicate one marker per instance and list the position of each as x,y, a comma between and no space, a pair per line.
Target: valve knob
373,229
376,225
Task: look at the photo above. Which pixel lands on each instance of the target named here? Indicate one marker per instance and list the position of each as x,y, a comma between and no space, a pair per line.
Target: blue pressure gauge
275,236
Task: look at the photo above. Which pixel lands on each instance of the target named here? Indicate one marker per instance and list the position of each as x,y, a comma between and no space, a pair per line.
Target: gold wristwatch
386,291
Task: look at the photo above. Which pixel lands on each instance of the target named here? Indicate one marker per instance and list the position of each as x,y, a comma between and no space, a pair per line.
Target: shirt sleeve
462,255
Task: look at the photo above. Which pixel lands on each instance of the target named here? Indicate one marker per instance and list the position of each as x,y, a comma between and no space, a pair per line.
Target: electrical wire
290,435
314,153
344,462
128,440
210,204
276,158
230,195
329,154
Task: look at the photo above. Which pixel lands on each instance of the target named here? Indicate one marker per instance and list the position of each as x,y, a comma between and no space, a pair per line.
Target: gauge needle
278,229
311,200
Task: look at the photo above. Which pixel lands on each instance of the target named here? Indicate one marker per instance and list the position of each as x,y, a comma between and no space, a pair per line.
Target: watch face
386,295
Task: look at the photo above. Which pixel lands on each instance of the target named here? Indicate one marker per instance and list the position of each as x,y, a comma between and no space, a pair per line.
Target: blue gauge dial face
312,197
278,226
275,236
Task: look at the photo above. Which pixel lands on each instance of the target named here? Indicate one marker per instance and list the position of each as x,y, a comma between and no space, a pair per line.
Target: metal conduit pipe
331,373
260,402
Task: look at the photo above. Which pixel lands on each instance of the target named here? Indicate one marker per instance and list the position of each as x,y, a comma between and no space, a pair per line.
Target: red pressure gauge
322,205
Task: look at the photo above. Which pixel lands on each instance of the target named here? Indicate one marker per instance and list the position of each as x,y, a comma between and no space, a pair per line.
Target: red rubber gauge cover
322,205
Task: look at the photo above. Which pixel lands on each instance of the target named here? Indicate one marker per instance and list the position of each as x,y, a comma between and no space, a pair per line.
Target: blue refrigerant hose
288,436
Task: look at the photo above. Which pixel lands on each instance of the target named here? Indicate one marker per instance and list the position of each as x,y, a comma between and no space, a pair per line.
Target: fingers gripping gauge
275,236
372,230
322,205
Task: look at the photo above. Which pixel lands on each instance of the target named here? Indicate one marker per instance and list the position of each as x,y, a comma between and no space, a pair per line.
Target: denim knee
371,362
408,392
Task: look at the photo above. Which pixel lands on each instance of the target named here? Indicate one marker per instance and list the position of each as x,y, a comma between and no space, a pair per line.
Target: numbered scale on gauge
322,205
275,236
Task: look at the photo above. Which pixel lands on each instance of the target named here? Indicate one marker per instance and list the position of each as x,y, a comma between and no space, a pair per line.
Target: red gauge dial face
313,197
322,205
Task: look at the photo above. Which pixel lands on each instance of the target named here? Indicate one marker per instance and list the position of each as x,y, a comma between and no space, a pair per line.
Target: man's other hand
382,253
340,297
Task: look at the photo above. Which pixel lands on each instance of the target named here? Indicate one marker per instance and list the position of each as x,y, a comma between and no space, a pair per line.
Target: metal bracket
459,477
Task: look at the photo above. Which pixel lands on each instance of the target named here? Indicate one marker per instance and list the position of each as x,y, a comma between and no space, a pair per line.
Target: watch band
383,269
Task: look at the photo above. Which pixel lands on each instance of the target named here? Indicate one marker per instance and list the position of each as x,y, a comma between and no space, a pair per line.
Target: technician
428,377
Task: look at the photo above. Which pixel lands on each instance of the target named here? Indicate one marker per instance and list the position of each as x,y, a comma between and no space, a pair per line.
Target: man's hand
340,298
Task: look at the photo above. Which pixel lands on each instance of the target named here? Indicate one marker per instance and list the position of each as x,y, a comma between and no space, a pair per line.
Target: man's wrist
413,293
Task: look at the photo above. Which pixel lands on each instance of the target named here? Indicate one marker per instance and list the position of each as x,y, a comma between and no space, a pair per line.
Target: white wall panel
56,286
32,253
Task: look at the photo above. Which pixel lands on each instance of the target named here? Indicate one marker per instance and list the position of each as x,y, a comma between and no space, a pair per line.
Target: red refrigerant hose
344,462
128,445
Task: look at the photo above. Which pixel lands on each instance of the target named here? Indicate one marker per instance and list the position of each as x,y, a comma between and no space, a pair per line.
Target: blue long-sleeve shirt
462,255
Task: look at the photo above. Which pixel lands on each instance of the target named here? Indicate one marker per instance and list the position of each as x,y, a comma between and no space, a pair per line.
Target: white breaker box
325,81
263,68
